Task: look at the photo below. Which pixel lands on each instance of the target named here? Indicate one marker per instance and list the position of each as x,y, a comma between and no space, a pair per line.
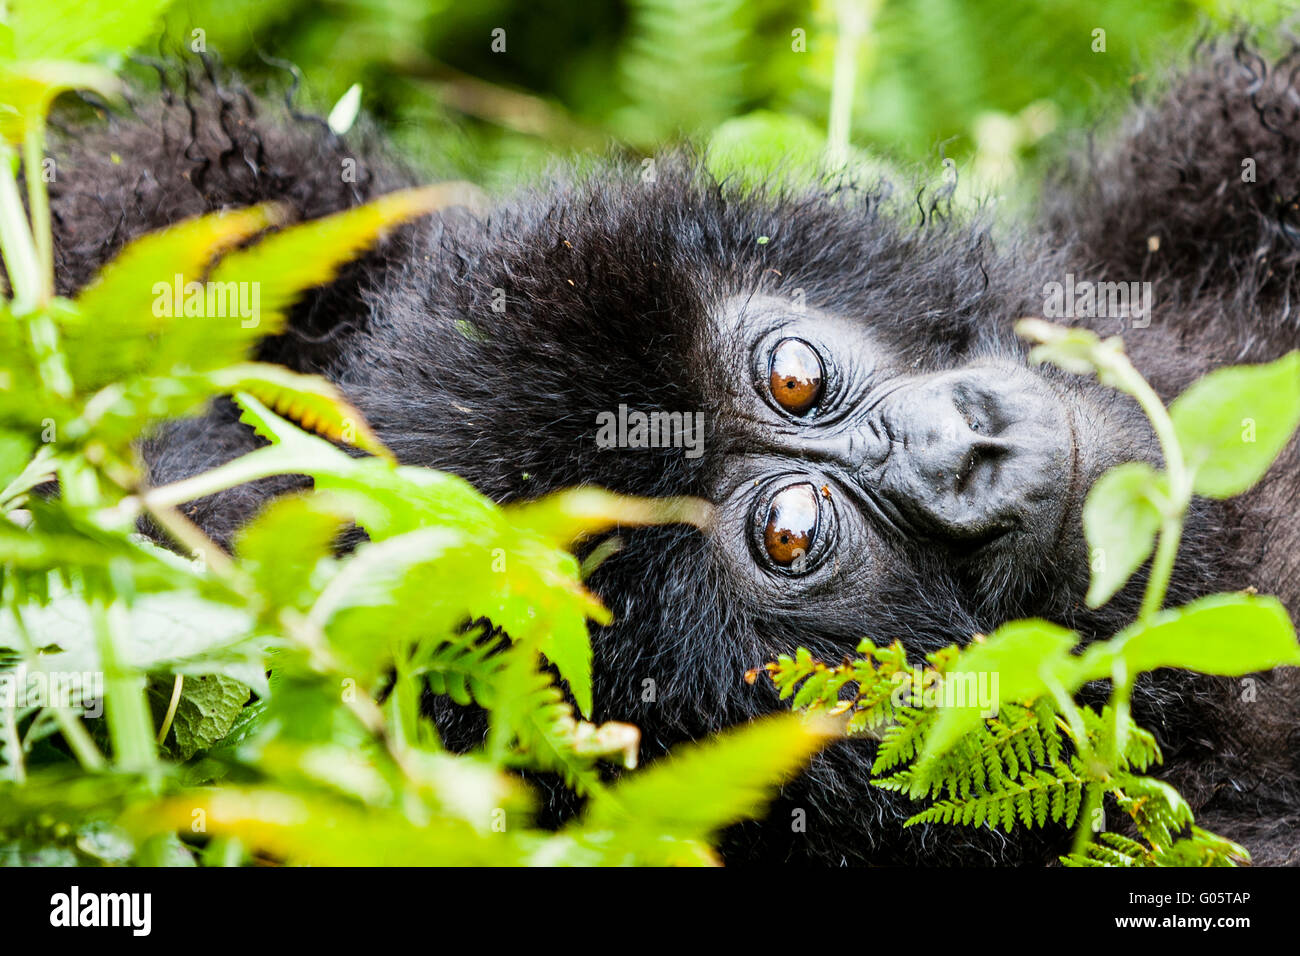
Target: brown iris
795,376
791,524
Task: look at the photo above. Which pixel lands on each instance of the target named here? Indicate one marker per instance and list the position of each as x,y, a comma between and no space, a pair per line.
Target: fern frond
1031,801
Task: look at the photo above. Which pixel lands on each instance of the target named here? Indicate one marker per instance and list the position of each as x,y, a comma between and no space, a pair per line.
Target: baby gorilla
883,460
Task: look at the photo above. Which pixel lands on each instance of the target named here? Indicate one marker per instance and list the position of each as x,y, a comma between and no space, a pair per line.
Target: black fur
610,284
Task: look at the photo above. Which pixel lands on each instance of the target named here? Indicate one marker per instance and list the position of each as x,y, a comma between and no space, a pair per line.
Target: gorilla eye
795,376
792,520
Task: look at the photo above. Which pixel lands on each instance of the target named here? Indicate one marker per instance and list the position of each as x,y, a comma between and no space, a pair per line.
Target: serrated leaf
1234,422
121,322
288,262
283,545
27,89
45,30
567,645
207,710
1120,521
174,631
568,516
313,403
702,787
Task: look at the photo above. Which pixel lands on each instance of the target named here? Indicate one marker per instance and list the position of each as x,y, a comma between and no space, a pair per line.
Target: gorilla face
848,448
846,462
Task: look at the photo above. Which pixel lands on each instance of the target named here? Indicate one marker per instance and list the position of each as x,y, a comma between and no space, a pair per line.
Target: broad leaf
311,402
1227,634
1120,522
45,30
130,301
1016,662
306,255
702,787
1234,422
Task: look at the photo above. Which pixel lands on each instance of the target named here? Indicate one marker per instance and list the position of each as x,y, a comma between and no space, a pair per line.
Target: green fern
1022,767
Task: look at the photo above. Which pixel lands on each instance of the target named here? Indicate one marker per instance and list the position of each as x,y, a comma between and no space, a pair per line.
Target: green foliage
197,755
200,756
992,734
982,81
1120,521
1233,423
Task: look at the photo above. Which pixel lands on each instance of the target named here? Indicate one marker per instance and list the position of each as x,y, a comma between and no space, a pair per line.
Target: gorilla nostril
980,460
965,472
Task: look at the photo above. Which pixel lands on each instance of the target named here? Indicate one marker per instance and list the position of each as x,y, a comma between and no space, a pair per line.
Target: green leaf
1226,634
313,403
118,327
1017,660
361,607
288,262
322,830
1120,521
27,88
1234,422
284,544
54,31
567,645
15,452
568,516
702,787
173,631
207,710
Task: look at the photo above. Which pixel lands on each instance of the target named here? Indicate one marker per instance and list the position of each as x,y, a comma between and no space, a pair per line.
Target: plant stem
13,747
851,20
1083,832
191,536
78,739
1162,567
38,201
16,238
129,725
177,686
262,463
1180,483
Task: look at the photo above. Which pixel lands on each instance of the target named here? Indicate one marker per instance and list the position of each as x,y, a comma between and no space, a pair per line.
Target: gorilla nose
951,462
949,454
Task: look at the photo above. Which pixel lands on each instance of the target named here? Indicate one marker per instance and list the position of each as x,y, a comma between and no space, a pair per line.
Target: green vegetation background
981,81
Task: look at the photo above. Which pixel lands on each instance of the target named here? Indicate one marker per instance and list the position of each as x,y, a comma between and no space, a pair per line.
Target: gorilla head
883,461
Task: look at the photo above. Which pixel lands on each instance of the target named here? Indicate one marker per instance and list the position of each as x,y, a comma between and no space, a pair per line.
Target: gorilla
882,458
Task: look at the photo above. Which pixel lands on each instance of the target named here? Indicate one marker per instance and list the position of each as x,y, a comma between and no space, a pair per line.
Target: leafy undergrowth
138,723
